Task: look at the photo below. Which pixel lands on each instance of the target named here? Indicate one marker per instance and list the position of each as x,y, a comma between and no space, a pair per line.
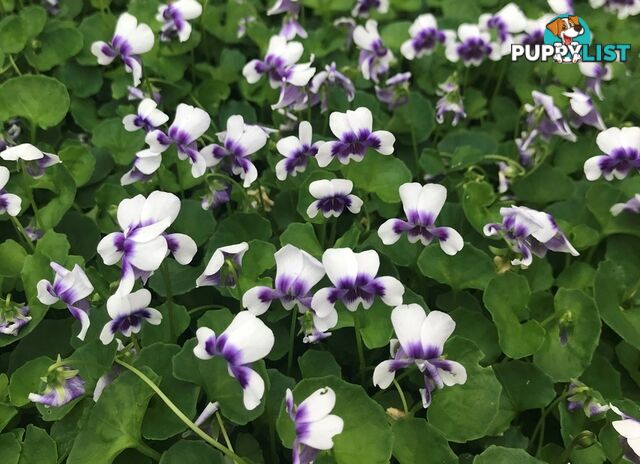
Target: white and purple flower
245,341
534,30
580,396
632,206
129,41
62,385
239,142
330,77
72,288
422,205
224,266
315,426
143,244
561,6
36,161
450,101
472,47
583,111
425,36
296,151
175,17
395,92
127,313
622,8
529,232
547,118
595,74
505,23
355,136
363,8
280,65
629,430
354,276
189,124
13,319
9,203
147,117
421,339
290,25
621,148
374,58
219,194
332,196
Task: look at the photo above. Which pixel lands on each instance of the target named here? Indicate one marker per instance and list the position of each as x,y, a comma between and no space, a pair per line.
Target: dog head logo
567,33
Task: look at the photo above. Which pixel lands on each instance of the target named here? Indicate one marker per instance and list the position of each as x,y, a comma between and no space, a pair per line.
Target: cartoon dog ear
574,20
555,26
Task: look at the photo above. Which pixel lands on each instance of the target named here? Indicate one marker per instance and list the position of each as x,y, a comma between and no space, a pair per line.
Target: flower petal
383,375
407,323
436,329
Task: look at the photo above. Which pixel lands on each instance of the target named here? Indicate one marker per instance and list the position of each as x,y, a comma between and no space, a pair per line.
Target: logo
567,39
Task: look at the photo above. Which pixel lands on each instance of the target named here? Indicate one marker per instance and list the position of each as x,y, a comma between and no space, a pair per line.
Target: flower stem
402,398
543,416
148,451
224,430
22,233
167,286
357,324
292,340
203,307
197,430
14,66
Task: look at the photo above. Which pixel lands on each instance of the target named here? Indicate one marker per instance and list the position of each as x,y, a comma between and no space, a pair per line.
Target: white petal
281,170
326,322
339,124
393,290
321,433
341,186
108,251
432,198
149,255
322,188
4,177
250,73
436,329
356,204
96,50
160,205
254,390
368,262
186,247
382,375
407,323
191,120
340,263
253,139
312,210
387,139
360,119
453,243
305,132
387,233
630,137
288,146
203,334
24,151
318,405
13,204
129,211
321,305
250,176
251,300
128,123
106,337
250,336
81,284
628,428
148,165
457,376
141,40
609,139
190,9
44,296
324,155
153,139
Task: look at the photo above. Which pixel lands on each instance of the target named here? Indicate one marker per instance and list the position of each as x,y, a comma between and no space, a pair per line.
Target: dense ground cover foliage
320,231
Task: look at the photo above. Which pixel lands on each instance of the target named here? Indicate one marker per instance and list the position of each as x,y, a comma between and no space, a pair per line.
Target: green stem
167,286
148,451
203,307
292,340
22,233
402,398
543,416
357,323
332,231
414,144
14,65
223,430
26,180
197,430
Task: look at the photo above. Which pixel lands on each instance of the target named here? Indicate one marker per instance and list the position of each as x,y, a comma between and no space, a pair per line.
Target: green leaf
57,180
562,363
79,161
415,440
449,411
526,386
82,233
194,221
599,199
416,118
376,328
303,236
506,297
13,35
122,145
378,174
55,45
191,452
315,363
544,185
9,449
162,333
99,26
500,455
366,436
54,246
26,379
114,422
35,18
42,100
478,328
241,227
182,279
484,142
38,447
469,268
12,257
258,258
81,81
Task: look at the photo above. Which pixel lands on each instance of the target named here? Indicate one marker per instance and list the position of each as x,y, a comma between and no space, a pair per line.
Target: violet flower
621,154
9,203
632,206
450,101
472,47
290,25
583,110
129,41
62,385
13,319
629,430
315,426
363,8
332,196
534,30
280,65
354,276
580,396
70,287
596,73
547,118
425,36
330,77
355,136
374,58
622,8
189,124
395,93
175,17
422,205
529,232
147,117
218,195
504,24
245,341
143,244
127,312
421,339
224,266
36,161
134,93
238,143
296,151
